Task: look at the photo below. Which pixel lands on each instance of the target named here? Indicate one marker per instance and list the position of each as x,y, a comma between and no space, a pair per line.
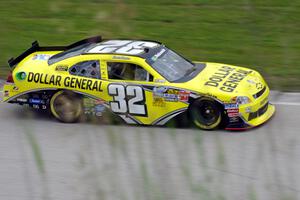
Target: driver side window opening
90,69
127,71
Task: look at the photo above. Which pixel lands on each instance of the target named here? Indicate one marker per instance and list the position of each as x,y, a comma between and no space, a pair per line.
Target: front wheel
66,106
205,113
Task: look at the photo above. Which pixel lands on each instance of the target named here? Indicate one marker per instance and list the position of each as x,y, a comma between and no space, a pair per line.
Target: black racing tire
205,113
66,106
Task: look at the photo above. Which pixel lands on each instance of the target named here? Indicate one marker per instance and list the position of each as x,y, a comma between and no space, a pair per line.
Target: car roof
126,47
97,46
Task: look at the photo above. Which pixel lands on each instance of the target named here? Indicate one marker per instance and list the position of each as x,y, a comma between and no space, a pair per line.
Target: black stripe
168,115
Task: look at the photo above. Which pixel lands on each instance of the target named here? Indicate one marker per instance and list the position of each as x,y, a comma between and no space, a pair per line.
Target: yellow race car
142,82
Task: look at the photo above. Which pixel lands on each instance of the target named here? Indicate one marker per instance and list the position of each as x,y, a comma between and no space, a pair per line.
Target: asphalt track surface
44,159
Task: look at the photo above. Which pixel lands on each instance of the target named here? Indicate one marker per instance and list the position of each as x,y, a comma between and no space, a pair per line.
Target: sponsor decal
232,110
41,57
259,86
251,81
159,102
88,102
98,114
36,106
6,93
44,107
240,100
235,110
61,68
248,110
233,114
21,100
99,108
99,102
87,111
170,94
233,100
57,80
15,88
184,95
121,57
36,101
212,95
156,56
93,106
20,76
233,119
159,81
165,93
231,75
45,96
157,91
231,106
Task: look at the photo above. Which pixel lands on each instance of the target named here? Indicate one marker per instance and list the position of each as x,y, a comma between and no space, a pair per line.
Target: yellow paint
156,108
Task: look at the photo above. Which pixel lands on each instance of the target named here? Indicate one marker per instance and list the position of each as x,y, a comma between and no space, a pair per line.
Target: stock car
141,81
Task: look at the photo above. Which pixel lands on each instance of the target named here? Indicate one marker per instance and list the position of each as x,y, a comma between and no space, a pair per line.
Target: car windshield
68,53
170,65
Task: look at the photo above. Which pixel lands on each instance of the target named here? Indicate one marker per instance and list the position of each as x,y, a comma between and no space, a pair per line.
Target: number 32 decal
129,99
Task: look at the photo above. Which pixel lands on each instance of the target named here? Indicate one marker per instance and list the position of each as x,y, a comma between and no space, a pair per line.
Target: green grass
36,150
260,34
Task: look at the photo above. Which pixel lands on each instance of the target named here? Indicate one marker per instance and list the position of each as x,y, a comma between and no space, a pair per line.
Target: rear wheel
66,106
205,113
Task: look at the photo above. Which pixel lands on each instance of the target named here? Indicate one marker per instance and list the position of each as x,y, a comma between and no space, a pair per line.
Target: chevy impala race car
142,82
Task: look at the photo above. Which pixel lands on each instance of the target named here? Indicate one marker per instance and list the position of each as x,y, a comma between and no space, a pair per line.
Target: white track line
286,103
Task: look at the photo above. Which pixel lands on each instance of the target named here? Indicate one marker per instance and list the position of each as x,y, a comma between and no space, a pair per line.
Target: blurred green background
260,34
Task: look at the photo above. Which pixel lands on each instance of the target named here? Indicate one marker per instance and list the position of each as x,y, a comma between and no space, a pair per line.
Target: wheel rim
206,114
66,108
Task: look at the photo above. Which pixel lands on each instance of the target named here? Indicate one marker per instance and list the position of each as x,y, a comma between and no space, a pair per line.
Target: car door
86,78
136,97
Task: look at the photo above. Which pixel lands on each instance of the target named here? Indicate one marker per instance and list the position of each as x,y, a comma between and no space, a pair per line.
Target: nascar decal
57,80
234,77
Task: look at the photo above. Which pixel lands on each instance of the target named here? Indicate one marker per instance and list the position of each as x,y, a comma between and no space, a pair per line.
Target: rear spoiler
36,47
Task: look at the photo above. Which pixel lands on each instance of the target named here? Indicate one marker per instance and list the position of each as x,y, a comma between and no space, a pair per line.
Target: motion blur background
261,34
43,159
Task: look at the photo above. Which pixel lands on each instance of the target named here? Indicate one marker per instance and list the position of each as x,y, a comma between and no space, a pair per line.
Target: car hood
227,80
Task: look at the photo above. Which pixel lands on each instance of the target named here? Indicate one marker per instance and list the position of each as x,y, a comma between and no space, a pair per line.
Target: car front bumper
254,114
263,118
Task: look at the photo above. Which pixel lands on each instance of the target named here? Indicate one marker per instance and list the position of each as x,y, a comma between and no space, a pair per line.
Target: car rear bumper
9,90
